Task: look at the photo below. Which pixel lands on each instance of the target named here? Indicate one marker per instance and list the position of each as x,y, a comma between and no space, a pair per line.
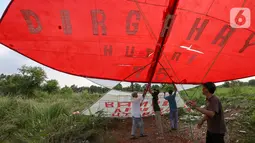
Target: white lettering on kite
150,54
189,49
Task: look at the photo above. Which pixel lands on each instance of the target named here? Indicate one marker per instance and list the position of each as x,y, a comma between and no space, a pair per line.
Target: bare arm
144,93
201,122
208,113
166,98
175,87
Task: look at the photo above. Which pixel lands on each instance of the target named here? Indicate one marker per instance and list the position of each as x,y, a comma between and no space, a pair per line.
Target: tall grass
47,118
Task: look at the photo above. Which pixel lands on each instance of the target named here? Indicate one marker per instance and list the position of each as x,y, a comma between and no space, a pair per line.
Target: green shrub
50,118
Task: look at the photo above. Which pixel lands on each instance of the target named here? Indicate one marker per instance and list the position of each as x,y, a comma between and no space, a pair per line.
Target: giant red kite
158,41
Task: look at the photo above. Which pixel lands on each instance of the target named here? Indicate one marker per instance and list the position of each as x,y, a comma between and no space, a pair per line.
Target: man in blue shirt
173,108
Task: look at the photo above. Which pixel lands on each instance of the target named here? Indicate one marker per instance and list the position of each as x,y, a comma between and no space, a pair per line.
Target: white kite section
118,104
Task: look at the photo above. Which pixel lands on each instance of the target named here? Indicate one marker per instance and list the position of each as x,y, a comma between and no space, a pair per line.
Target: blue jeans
137,122
174,118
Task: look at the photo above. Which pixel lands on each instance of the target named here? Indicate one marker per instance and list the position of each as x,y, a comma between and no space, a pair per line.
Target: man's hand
201,122
174,87
199,126
192,103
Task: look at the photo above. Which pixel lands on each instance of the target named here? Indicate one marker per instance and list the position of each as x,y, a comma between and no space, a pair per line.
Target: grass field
44,118
48,118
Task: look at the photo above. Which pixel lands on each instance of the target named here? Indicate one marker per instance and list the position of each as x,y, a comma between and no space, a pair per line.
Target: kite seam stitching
210,8
159,5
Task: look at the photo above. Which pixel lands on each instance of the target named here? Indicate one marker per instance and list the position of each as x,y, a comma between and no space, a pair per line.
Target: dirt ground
187,132
122,132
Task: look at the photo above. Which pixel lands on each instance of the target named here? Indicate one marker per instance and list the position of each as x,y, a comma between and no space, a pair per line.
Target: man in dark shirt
156,109
213,114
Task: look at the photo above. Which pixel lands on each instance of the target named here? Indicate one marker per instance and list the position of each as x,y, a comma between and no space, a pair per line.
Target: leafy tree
32,79
93,89
251,82
25,82
226,84
118,87
166,87
155,86
66,90
82,89
11,84
75,88
97,89
128,88
144,86
2,76
137,87
235,87
51,86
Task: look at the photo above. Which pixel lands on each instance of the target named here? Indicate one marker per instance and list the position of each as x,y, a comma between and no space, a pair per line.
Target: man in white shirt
137,120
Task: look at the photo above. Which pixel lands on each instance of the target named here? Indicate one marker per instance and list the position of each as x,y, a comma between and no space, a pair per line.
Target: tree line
30,79
228,84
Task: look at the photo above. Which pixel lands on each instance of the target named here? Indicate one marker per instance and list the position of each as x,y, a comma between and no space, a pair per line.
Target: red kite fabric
158,41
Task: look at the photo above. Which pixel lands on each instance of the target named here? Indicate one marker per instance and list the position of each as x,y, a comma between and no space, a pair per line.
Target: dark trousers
214,138
174,118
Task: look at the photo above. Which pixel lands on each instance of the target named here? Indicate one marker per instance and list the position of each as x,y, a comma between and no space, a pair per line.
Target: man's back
171,100
155,101
215,124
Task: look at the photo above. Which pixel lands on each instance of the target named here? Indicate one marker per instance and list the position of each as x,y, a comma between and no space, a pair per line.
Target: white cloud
3,51
3,5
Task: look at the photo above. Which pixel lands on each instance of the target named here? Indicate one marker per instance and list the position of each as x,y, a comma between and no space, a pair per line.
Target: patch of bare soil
122,132
186,133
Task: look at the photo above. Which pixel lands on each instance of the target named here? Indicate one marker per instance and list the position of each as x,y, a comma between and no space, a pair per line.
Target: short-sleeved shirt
155,101
136,106
216,124
171,101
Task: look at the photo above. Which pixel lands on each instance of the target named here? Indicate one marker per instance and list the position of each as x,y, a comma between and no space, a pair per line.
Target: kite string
153,34
146,21
208,70
189,112
214,61
118,82
151,31
149,85
121,80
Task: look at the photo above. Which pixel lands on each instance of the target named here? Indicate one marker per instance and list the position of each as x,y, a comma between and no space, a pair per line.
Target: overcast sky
16,60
